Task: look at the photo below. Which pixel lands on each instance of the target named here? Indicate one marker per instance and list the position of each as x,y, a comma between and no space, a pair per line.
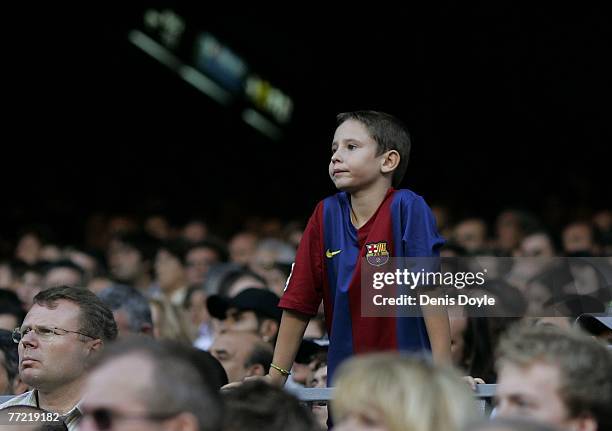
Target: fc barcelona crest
376,253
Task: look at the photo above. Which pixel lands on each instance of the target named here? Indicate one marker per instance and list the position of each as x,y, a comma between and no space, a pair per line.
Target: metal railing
325,394
483,392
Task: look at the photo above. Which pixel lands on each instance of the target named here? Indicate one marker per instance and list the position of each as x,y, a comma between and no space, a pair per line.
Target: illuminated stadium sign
215,69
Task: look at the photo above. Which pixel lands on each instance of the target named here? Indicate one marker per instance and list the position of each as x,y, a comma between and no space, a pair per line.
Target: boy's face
354,164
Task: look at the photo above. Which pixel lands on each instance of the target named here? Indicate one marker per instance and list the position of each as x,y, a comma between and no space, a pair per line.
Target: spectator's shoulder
407,196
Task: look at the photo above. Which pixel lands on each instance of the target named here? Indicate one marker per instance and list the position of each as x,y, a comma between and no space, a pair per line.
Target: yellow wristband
280,370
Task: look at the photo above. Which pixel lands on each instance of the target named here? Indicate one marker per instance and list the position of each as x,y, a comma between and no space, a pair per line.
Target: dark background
507,106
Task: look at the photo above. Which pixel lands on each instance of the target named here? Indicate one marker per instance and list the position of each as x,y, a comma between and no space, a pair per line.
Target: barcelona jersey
328,268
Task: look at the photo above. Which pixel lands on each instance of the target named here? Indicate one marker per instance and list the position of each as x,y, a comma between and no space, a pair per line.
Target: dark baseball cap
309,348
595,323
261,301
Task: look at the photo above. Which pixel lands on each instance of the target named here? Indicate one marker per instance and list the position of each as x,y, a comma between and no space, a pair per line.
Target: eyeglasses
104,417
44,333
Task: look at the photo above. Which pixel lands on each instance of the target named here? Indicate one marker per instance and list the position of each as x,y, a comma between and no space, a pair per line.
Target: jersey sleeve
304,289
421,237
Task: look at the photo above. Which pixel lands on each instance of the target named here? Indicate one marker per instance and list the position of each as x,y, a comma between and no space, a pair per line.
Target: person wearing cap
252,310
598,325
307,358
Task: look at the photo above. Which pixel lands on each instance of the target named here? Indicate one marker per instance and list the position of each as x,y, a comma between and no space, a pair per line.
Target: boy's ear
390,161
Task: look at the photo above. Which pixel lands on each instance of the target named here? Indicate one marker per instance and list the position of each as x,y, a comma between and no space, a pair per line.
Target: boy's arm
290,333
438,329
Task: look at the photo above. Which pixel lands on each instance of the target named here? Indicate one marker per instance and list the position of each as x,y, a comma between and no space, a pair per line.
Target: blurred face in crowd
63,276
242,248
158,227
50,253
198,261
50,361
508,231
537,245
123,400
263,260
441,215
319,380
198,312
169,270
585,279
84,261
240,320
125,262
578,237
123,322
532,392
98,284
300,373
195,231
471,234
6,276
232,349
29,286
246,321
603,220
276,280
537,294
28,248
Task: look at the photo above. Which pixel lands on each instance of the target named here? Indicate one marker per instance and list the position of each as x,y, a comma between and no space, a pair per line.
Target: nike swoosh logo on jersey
329,254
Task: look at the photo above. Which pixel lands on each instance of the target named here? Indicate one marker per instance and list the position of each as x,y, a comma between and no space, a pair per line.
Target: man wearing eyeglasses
65,328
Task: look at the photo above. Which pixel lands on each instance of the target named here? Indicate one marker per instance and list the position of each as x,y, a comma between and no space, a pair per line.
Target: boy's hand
473,381
269,379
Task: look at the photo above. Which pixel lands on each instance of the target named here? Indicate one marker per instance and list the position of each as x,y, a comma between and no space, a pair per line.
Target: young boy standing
368,219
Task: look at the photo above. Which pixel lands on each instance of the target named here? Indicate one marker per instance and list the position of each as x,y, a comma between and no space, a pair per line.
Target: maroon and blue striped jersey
328,268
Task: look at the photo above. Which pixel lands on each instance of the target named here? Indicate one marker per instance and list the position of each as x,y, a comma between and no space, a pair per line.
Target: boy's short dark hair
388,132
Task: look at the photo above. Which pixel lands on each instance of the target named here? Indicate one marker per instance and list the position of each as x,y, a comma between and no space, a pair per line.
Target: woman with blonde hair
390,392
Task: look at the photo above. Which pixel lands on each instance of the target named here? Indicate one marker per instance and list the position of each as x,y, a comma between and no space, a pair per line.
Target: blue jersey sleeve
420,236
